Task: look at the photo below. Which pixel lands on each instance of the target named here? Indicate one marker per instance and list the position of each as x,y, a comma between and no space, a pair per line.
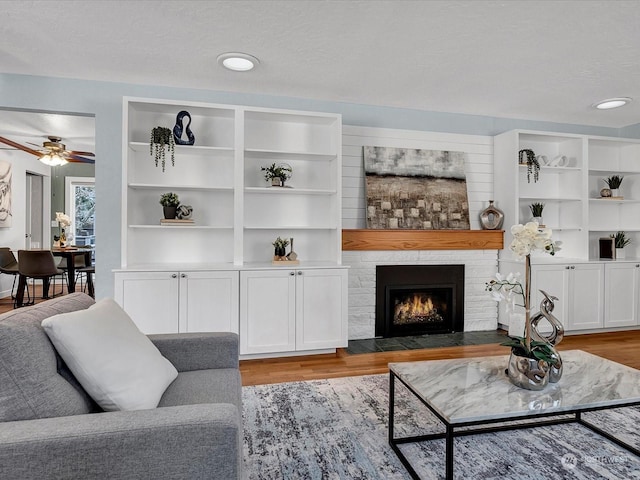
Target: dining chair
38,264
88,286
9,266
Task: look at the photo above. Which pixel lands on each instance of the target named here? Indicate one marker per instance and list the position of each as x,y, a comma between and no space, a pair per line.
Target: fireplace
419,299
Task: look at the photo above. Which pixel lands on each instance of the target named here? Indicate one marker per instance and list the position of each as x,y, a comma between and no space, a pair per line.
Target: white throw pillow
115,363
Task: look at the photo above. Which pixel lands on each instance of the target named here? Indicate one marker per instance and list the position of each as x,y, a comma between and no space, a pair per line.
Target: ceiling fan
53,152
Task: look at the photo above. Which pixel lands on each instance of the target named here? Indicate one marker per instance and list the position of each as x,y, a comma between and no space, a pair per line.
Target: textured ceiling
539,60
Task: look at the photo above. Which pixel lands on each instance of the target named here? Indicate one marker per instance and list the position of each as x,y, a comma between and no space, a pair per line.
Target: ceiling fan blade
77,159
83,154
24,148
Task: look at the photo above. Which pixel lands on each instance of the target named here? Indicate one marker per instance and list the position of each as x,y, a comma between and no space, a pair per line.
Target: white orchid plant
63,222
526,239
62,219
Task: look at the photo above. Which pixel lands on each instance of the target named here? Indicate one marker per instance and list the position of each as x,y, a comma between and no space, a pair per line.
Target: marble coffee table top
477,389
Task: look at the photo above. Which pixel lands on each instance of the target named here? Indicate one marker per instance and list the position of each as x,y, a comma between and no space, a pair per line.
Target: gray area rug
337,429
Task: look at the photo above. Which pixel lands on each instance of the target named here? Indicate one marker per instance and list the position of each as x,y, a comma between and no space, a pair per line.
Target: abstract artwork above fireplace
415,189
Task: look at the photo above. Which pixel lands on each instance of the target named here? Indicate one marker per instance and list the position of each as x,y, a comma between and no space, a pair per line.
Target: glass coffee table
469,395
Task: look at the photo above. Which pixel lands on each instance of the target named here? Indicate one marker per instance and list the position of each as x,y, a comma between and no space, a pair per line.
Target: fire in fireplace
418,299
420,307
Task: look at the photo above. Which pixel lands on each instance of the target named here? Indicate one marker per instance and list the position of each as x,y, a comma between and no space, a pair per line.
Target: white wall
14,236
480,265
104,100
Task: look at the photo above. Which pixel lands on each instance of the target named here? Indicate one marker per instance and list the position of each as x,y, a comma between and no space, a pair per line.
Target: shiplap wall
480,265
478,166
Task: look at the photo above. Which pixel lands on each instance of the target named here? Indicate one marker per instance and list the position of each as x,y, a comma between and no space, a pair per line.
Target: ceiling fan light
53,160
612,103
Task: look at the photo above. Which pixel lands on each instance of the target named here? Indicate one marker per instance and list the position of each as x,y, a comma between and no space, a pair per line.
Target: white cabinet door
209,301
553,279
267,311
621,297
586,294
321,309
579,289
150,299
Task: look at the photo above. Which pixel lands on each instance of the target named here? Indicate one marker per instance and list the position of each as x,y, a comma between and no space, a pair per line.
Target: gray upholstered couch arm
190,441
199,351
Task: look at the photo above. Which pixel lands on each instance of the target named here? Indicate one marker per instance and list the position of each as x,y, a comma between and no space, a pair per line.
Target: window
80,202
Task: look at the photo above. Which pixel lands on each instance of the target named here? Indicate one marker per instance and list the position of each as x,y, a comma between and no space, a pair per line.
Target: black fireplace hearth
419,299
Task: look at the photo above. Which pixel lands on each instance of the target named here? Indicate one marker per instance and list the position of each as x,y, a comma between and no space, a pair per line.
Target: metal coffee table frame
451,431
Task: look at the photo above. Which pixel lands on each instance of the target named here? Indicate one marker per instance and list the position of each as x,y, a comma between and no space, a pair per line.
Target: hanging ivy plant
161,141
533,167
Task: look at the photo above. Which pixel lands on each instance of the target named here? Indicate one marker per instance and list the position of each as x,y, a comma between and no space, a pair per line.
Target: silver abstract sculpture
553,338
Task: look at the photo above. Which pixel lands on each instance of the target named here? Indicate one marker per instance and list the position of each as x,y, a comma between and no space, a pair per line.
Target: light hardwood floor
622,347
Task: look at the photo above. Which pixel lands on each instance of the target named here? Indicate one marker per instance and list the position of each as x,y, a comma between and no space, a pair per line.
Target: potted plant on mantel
170,203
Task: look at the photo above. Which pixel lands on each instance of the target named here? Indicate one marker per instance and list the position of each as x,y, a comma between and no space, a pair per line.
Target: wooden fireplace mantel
369,239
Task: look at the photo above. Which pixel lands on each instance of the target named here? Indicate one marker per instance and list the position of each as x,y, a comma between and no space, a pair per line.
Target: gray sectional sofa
51,429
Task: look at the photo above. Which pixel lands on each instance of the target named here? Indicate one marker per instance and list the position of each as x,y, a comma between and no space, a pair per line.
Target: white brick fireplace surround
480,311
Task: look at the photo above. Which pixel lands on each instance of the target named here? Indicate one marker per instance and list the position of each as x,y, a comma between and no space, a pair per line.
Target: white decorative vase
620,253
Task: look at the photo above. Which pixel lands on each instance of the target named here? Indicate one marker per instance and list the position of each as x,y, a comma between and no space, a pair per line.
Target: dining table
68,253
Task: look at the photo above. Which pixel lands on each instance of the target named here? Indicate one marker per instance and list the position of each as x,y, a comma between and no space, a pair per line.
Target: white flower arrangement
62,219
530,237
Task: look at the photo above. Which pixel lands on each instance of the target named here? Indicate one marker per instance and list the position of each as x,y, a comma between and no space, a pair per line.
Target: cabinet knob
299,272
567,267
183,275
637,265
573,267
292,273
174,275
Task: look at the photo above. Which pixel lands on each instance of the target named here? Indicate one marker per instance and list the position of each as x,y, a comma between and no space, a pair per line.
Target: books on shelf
176,221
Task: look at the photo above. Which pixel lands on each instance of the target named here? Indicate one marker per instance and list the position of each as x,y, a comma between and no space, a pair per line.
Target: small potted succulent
536,210
614,182
280,246
161,141
170,203
621,240
277,175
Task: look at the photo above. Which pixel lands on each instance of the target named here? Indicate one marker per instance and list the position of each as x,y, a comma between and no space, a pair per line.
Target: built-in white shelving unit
237,214
579,217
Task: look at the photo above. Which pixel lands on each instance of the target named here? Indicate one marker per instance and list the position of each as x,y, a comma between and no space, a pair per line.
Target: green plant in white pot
536,210
621,240
614,182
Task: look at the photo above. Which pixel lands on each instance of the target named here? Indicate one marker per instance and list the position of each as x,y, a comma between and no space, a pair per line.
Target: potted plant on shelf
620,240
280,246
536,210
277,175
161,141
169,202
527,157
614,182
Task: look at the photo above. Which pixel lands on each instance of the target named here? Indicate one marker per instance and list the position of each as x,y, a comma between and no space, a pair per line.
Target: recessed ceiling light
238,62
612,103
